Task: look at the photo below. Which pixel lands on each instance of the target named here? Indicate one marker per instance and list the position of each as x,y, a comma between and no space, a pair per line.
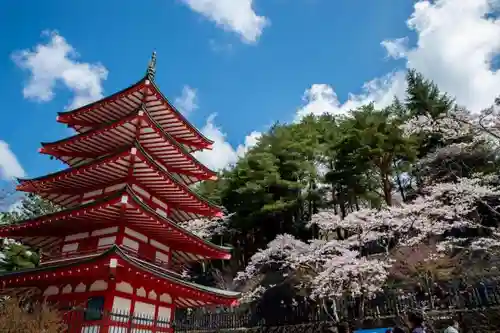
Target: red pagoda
117,245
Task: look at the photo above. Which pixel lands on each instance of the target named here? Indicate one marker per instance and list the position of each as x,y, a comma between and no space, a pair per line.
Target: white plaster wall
105,231
74,237
98,285
136,234
160,256
144,313
67,289
131,244
69,247
121,305
106,241
159,245
80,288
125,287
164,315
141,292
166,298
51,290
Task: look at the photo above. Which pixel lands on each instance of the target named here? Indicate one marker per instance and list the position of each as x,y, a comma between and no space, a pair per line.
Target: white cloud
457,41
396,48
56,62
321,98
223,155
234,15
9,165
187,102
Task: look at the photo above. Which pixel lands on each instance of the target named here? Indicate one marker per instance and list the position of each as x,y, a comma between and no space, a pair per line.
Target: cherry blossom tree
359,264
455,206
208,227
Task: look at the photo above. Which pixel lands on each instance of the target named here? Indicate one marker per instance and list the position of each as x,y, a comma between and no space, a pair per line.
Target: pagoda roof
118,105
130,165
107,137
124,207
184,293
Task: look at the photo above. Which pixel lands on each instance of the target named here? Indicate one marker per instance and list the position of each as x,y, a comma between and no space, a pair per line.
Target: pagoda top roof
103,262
143,92
41,232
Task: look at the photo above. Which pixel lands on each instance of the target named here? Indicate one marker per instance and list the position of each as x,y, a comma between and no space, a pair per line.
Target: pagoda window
130,244
51,291
67,289
166,298
106,231
94,309
106,241
71,247
161,257
136,235
125,287
80,288
75,237
160,246
99,285
144,313
164,315
121,306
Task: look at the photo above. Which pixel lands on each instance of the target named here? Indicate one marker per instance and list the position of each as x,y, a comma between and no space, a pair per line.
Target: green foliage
15,256
365,158
30,206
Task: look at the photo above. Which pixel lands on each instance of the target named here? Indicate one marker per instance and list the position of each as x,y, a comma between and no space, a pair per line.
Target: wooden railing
95,321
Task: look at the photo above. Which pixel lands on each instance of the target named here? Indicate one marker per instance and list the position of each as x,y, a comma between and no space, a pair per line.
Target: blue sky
233,66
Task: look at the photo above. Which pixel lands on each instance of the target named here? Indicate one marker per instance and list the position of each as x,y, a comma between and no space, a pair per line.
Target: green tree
29,207
15,256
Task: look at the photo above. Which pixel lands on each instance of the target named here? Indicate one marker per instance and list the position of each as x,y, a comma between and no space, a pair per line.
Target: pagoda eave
114,169
115,262
103,213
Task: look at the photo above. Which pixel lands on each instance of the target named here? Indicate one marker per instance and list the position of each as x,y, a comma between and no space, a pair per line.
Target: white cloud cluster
187,102
9,165
457,42
56,62
321,98
223,155
238,16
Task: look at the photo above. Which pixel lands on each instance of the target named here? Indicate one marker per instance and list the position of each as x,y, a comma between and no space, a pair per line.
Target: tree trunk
400,184
387,187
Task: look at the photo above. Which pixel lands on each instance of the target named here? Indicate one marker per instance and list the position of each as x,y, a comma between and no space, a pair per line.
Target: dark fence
442,300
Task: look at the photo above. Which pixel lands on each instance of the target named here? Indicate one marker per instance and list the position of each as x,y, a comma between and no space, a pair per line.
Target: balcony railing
95,321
